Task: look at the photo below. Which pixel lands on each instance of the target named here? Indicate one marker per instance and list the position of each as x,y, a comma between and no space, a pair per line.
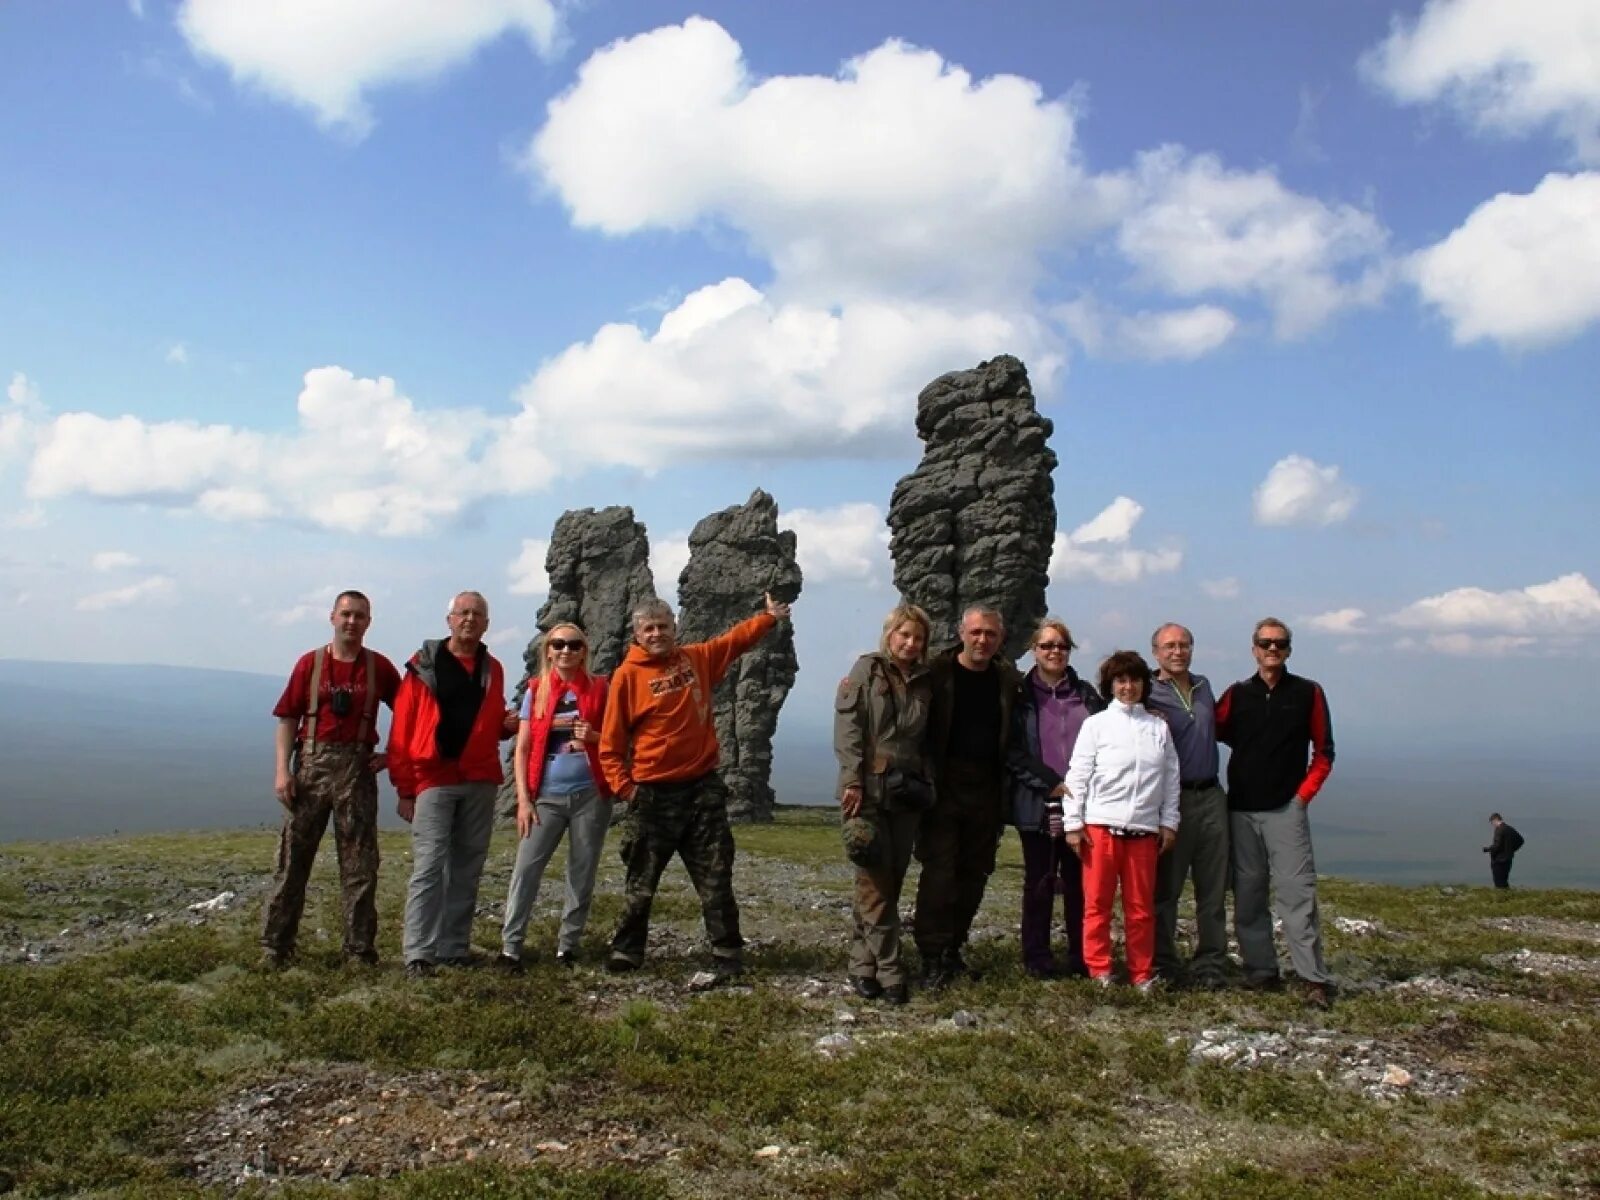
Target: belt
1199,785
1130,834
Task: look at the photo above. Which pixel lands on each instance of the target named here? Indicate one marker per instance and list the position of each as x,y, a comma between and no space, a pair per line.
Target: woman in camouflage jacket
879,724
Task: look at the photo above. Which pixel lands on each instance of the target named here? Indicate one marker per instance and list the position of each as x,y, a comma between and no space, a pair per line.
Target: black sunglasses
1050,646
1273,643
566,643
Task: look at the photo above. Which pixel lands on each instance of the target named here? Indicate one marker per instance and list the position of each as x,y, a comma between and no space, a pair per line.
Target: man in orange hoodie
658,749
444,761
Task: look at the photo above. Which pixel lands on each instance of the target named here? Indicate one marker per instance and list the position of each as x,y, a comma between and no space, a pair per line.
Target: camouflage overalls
689,819
332,780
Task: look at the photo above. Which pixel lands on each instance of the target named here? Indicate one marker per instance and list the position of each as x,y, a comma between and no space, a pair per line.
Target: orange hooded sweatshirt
659,725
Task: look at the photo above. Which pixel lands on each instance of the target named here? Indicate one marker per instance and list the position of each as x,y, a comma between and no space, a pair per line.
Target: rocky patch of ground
1379,1070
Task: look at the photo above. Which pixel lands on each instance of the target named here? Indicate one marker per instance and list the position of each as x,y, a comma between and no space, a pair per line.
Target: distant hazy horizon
93,750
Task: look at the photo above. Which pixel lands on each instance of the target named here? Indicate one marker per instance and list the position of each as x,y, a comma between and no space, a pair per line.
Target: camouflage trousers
334,780
689,819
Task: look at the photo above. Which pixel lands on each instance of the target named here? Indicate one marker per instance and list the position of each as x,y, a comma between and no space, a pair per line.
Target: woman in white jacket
1121,815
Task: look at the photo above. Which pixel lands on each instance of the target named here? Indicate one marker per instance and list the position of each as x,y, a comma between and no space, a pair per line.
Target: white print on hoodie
1124,772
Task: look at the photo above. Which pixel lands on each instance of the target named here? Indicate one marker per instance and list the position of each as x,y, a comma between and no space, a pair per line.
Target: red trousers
1131,862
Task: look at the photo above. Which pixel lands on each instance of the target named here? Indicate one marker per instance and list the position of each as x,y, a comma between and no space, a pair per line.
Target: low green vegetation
146,1054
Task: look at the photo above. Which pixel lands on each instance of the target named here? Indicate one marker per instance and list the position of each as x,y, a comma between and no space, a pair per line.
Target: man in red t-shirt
327,723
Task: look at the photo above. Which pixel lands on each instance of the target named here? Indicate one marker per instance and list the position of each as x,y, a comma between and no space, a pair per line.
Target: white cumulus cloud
1226,588
327,57
113,560
178,354
728,373
1098,549
859,183
151,589
849,542
1507,68
1523,270
668,557
1183,334
1567,605
1200,228
1340,620
1299,491
362,459
526,571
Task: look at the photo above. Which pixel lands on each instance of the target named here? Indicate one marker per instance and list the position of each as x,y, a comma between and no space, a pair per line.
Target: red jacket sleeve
1224,715
402,766
1321,747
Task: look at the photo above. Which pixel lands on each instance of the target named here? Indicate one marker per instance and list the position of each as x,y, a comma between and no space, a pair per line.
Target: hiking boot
1044,973
1264,983
1103,982
1150,986
470,961
955,966
362,958
727,969
566,959
508,964
897,993
617,965
866,987
419,968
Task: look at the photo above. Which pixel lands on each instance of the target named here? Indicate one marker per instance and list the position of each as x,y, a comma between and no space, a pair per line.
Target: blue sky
315,295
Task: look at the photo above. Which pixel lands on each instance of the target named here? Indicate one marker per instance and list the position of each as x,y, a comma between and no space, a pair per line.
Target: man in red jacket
444,759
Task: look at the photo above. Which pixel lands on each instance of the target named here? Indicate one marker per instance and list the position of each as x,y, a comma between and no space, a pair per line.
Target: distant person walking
444,759
326,766
658,748
560,787
1186,701
1502,848
1052,705
1282,739
1122,815
880,719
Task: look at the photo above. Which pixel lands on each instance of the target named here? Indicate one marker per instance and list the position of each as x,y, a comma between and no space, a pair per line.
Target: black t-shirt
975,716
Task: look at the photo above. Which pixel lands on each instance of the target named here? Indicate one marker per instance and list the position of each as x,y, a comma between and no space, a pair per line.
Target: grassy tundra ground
143,1053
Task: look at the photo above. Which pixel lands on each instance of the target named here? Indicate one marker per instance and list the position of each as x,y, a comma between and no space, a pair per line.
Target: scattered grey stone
218,903
835,1043
702,981
734,556
1357,1063
975,523
962,1019
1359,927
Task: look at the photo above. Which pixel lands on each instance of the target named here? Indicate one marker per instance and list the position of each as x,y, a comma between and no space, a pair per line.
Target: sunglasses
1050,647
566,643
1272,643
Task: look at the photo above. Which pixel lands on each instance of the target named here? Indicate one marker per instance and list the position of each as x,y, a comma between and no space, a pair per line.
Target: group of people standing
1112,786
644,737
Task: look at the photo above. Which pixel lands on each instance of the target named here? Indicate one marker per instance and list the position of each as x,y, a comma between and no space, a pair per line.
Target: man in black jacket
1501,849
969,726
1282,739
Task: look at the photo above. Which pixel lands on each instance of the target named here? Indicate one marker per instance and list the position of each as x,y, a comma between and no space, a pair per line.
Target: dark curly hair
1125,662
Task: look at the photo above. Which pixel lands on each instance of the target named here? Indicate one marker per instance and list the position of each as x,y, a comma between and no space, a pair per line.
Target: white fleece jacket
1124,772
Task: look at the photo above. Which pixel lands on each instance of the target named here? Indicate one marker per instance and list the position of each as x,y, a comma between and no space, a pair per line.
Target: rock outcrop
975,523
734,556
599,569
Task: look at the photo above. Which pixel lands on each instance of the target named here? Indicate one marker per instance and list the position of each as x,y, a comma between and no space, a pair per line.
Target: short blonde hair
898,616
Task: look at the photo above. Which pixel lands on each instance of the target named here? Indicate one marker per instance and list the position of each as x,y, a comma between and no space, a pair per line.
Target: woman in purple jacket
1052,704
